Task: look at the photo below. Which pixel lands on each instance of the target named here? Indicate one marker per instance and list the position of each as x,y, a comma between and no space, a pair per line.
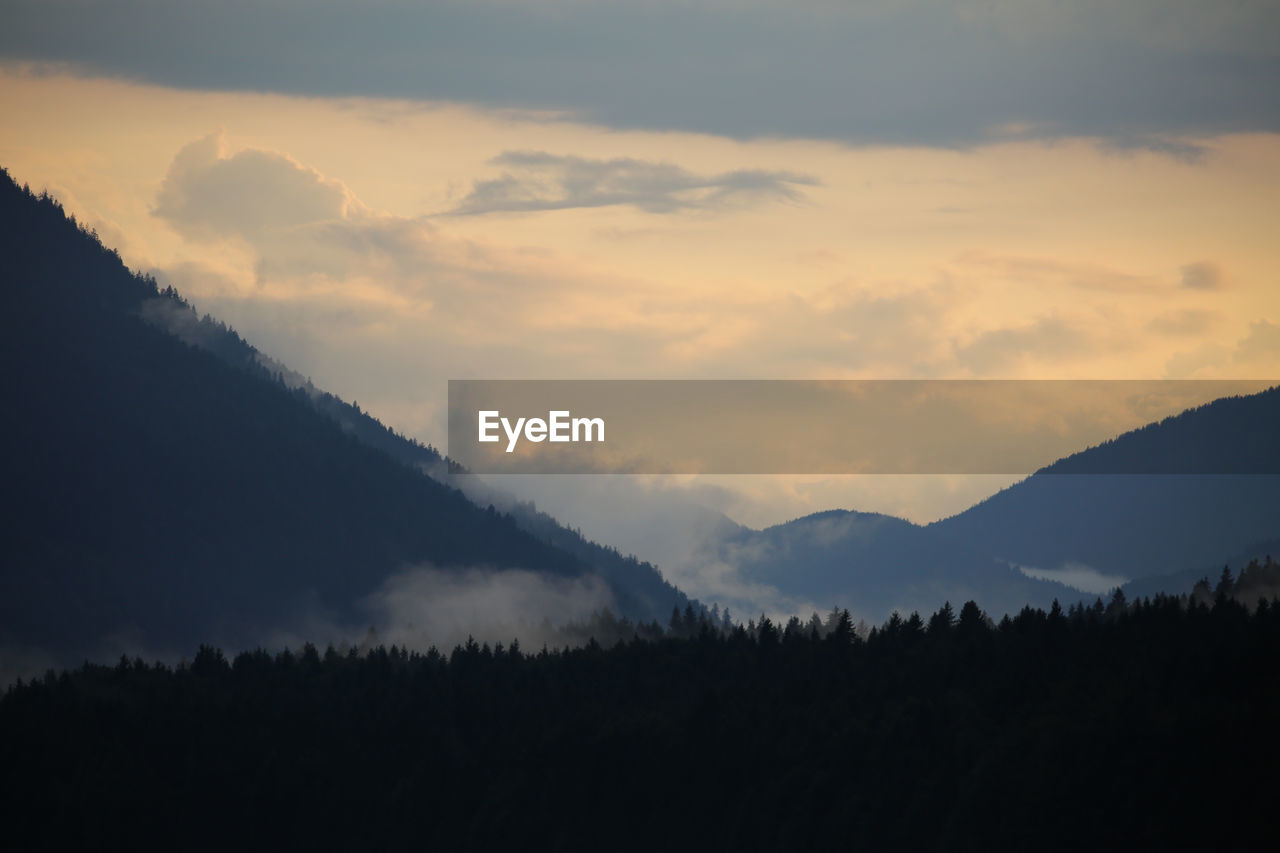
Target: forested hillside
1115,510
638,587
1119,509
161,494
1140,725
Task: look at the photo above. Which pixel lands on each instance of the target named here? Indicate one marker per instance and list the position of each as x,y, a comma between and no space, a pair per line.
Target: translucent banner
839,427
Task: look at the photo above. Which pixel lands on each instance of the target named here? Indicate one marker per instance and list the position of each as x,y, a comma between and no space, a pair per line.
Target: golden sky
382,243
332,225
390,194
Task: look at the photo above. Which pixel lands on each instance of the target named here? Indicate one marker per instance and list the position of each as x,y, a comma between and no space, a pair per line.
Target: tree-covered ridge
1231,435
161,493
99,280
1132,724
638,585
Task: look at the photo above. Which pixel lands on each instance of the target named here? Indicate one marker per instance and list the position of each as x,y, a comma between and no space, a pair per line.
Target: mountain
161,493
875,564
638,588
1109,508
1183,582
1104,511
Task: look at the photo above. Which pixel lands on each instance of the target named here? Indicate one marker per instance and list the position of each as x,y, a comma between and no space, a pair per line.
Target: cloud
1058,273
859,327
664,520
442,606
1047,339
1261,346
1204,360
305,227
369,300
252,193
1184,323
1202,275
1177,149
183,323
426,605
328,268
542,181
1145,72
851,328
1256,355
1077,576
381,307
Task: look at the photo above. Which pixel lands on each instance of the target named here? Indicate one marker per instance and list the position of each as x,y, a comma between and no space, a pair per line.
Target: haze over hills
875,564
171,485
1075,521
1183,582
639,589
162,494
1109,508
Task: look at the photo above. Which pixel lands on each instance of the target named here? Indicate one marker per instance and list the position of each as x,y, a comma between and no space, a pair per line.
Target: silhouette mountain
165,485
1087,511
875,564
1183,582
1099,509
639,589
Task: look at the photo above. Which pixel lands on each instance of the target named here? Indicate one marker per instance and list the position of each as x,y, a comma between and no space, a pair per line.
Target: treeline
1257,581
1126,724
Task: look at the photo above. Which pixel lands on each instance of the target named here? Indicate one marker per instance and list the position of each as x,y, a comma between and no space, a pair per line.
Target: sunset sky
388,195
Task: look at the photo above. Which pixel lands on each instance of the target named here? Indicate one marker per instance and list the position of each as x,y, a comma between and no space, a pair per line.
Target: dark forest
1124,725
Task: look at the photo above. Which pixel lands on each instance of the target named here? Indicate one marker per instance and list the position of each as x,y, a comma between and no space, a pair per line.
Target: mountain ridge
167,497
1132,526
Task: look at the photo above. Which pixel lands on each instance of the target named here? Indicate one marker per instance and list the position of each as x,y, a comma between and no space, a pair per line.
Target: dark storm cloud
892,71
536,180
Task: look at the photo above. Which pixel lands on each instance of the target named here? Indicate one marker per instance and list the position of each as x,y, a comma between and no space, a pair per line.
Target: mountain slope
1087,509
875,564
1074,513
639,589
159,493
1183,582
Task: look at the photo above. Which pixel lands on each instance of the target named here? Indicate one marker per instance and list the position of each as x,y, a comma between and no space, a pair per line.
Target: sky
388,195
